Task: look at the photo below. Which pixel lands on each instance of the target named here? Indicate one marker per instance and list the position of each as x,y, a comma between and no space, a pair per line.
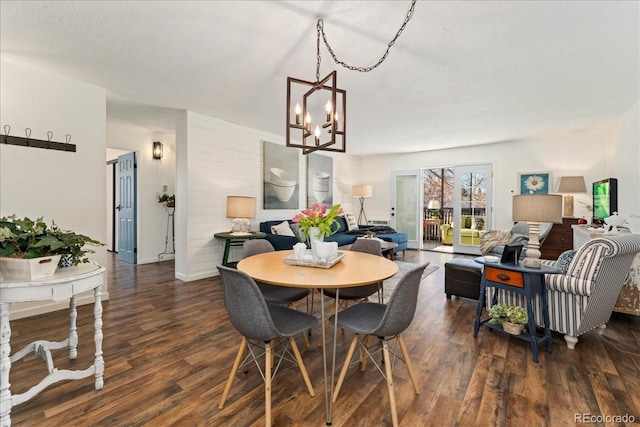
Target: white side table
62,286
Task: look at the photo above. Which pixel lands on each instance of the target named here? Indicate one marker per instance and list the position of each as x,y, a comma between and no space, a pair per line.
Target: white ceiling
462,73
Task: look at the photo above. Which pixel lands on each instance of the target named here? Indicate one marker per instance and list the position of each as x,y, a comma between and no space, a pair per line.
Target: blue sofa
341,236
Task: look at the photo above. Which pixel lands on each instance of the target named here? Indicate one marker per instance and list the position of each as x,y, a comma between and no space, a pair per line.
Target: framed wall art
534,182
319,179
281,177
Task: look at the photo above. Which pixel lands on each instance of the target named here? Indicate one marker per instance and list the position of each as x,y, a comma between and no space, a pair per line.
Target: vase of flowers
512,317
317,222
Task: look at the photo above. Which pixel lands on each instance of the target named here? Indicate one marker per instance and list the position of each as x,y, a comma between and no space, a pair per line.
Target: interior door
471,206
406,205
127,184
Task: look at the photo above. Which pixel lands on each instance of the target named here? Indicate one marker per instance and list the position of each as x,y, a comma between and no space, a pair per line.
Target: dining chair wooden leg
363,354
387,368
236,364
305,338
407,362
268,360
303,370
345,366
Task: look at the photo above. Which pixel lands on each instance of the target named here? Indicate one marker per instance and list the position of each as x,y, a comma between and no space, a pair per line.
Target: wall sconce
157,150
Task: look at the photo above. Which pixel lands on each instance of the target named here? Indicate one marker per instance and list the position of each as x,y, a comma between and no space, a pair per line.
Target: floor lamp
535,209
362,192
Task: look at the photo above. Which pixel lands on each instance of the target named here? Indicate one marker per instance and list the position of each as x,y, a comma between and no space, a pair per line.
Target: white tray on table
291,260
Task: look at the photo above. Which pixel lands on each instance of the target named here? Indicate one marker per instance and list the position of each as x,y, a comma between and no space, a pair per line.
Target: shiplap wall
216,159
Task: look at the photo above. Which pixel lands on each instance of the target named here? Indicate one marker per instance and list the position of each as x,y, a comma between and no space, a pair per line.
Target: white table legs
43,349
5,366
99,361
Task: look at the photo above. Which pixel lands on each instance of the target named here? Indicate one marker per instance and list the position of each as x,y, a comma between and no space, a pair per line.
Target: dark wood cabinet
560,239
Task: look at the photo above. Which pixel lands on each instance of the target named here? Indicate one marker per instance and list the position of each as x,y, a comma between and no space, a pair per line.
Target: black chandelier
317,111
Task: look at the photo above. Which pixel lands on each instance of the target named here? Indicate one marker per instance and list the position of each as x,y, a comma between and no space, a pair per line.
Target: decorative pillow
352,222
296,230
563,261
478,223
282,229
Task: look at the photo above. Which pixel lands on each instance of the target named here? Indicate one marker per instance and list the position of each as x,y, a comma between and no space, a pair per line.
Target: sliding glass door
471,206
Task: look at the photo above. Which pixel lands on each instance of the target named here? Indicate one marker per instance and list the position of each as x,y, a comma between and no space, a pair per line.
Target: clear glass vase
315,235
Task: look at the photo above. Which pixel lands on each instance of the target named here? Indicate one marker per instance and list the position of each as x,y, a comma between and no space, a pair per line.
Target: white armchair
583,298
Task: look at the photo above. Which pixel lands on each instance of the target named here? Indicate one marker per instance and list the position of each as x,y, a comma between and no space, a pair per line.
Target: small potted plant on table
512,318
31,249
168,200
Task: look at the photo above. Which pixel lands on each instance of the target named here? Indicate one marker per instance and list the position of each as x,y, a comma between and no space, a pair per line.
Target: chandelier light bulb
298,111
307,121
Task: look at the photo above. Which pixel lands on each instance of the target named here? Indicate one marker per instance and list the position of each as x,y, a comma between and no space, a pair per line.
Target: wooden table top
355,269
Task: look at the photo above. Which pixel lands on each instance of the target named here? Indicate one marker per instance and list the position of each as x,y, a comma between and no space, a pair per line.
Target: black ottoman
462,278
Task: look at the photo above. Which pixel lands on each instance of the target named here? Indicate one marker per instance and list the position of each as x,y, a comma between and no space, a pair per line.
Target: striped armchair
583,298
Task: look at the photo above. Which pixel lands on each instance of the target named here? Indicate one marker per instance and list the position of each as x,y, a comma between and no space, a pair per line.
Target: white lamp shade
364,191
538,208
433,204
241,207
572,184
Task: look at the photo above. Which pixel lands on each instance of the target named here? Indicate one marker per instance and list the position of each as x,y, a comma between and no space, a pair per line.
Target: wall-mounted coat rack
27,141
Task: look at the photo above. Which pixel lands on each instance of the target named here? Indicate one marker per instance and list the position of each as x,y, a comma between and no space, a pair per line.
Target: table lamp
362,192
535,209
570,184
434,205
241,208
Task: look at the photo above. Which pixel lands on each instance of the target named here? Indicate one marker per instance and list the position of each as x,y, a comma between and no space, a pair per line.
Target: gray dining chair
273,294
370,246
259,322
385,321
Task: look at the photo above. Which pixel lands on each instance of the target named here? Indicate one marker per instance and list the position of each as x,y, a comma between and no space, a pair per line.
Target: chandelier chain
320,28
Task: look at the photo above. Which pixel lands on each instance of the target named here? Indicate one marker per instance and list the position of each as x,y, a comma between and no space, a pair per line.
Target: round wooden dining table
353,269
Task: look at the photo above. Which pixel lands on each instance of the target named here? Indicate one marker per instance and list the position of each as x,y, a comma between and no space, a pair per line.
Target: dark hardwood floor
168,348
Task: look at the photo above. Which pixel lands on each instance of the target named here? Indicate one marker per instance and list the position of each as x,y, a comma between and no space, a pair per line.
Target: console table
64,285
235,239
629,298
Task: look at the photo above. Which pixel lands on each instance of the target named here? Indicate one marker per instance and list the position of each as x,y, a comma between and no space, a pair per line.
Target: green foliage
26,238
318,215
167,199
501,313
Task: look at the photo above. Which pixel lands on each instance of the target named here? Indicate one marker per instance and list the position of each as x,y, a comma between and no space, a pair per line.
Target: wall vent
379,222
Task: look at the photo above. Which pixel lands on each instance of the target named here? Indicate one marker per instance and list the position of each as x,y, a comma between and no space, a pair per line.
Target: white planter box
29,269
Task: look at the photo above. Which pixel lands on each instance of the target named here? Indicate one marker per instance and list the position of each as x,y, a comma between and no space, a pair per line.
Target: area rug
390,284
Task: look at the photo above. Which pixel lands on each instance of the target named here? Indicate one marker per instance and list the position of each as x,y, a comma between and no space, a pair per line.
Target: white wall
217,159
595,154
62,186
626,162
152,175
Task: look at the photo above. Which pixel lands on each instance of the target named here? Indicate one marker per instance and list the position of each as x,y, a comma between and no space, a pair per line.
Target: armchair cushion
569,284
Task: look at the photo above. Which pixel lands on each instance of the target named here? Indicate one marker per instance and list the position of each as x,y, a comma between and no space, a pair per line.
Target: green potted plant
169,200
75,248
512,317
31,249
